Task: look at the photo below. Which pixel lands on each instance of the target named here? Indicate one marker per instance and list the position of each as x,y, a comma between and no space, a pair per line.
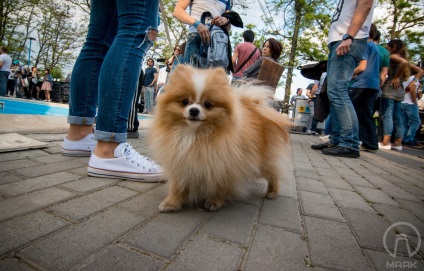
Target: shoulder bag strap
244,63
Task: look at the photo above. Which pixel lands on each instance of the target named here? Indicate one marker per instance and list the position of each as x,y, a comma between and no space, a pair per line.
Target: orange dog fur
212,138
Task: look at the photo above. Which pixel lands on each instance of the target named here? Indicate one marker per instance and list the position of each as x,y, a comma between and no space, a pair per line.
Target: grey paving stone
233,222
24,229
146,204
53,149
164,234
311,185
358,181
359,167
17,164
52,158
334,162
288,187
65,249
276,249
89,204
399,214
257,192
414,190
205,253
383,261
18,155
377,180
415,207
82,171
85,185
319,205
137,186
117,258
8,177
33,201
32,184
307,173
370,229
327,172
398,193
13,264
35,171
332,245
320,164
349,199
375,196
336,182
346,171
281,212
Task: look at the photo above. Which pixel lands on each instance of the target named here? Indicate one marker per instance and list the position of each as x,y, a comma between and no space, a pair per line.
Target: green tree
303,32
403,19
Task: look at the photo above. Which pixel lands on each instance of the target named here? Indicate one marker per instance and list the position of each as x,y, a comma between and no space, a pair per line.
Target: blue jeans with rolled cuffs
345,126
107,69
392,117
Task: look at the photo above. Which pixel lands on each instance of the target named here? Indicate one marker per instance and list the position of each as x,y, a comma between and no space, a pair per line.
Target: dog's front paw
212,206
166,207
271,195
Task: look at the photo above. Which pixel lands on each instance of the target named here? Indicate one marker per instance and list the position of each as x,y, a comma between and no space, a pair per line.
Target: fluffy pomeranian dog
212,138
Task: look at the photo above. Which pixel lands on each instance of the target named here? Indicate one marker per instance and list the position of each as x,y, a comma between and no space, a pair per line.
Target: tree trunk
292,55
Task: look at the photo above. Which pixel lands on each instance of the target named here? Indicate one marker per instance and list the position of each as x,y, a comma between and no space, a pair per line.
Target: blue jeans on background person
109,65
3,82
148,93
328,126
343,116
192,46
363,100
411,122
392,117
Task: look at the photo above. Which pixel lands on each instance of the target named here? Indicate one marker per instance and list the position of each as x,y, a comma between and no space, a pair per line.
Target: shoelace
139,160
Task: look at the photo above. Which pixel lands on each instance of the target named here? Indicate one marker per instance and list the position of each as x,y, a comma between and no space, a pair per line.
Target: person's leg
367,127
3,83
83,98
137,29
414,124
386,109
405,113
339,73
397,123
192,47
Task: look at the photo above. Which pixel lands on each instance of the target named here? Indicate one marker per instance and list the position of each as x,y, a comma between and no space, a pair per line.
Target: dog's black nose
194,112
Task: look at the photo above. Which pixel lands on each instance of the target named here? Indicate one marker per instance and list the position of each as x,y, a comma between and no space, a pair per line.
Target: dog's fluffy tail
257,94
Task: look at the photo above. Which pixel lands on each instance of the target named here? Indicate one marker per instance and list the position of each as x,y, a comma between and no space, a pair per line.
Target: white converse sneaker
82,147
128,164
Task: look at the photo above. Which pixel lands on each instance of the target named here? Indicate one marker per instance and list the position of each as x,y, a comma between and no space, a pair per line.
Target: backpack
217,51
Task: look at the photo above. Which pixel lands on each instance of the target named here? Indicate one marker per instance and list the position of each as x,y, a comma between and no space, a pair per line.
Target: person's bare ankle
105,149
78,132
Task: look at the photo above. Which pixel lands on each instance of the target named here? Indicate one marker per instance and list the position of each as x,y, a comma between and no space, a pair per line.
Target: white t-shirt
7,62
408,99
214,7
342,18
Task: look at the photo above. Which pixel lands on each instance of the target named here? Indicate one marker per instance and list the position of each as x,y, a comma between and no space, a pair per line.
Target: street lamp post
29,52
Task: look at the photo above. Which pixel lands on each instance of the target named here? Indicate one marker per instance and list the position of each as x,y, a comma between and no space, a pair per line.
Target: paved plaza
332,214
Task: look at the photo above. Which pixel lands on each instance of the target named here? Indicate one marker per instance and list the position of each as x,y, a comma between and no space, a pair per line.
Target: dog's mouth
191,118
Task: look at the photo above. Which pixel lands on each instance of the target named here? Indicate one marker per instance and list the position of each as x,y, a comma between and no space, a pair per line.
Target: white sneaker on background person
82,147
127,164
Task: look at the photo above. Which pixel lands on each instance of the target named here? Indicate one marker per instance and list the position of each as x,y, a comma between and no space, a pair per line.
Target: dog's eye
207,105
186,102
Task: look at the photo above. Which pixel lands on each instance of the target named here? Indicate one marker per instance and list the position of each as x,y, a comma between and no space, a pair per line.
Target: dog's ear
220,71
180,71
